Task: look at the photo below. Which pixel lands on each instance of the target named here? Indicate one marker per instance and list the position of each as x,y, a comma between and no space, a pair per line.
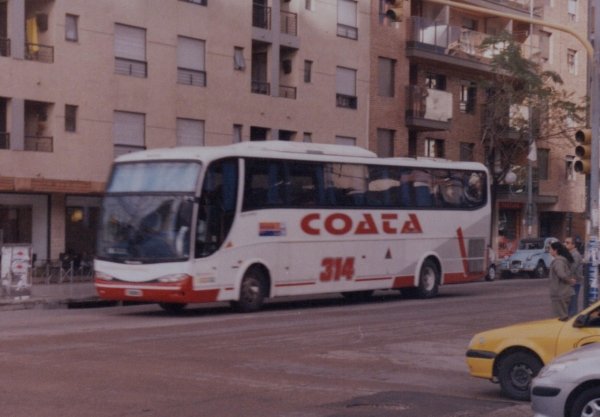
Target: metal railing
346,31
261,87
191,77
39,143
261,16
287,91
444,39
4,140
342,100
131,67
289,23
40,53
4,47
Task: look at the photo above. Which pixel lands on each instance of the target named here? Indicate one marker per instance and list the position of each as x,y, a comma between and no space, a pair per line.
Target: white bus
257,220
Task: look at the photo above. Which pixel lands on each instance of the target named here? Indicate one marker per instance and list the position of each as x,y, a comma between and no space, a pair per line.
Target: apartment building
426,100
85,81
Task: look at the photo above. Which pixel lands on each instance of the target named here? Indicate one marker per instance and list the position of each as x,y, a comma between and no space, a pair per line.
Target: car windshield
145,228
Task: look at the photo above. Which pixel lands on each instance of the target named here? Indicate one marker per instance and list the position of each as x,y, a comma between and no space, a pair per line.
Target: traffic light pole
594,58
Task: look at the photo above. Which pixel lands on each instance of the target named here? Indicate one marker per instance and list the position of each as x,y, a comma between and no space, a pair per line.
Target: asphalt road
324,357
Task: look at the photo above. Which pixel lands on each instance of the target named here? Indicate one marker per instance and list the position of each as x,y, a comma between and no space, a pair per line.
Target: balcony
453,44
286,91
38,52
191,77
289,23
39,143
4,140
428,109
261,87
261,16
4,47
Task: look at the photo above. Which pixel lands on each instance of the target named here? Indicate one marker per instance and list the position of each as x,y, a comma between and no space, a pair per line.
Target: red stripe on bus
372,279
404,281
295,284
463,250
458,277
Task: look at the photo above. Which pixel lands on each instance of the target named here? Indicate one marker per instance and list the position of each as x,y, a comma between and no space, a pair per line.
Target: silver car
569,386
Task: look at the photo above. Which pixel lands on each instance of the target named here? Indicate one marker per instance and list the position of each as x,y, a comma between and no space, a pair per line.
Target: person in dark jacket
561,280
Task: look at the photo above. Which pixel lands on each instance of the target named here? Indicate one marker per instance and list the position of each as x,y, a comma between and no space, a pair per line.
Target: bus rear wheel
252,292
429,281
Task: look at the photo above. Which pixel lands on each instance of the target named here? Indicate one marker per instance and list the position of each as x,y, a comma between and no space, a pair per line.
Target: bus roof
288,150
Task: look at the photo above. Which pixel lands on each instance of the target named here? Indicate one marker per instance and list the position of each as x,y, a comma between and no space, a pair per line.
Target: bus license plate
133,292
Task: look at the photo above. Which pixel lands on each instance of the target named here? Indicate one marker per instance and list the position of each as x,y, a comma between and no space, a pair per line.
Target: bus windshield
147,212
145,228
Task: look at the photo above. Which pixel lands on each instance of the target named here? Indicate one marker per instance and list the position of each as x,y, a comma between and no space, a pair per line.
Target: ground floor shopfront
53,224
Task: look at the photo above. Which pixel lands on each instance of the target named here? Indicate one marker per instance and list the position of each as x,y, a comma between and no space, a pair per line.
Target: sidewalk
65,295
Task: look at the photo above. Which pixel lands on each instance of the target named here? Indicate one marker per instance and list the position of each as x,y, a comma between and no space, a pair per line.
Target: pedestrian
561,280
577,270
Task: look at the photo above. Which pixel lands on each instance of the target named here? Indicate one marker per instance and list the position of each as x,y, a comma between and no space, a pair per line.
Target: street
324,357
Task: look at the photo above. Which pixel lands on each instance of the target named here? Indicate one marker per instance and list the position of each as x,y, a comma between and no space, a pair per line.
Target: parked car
532,257
569,386
513,355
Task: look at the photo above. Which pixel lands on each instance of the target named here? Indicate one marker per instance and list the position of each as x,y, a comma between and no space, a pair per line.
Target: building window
309,5
199,2
569,167
467,151
545,38
130,51
385,143
542,163
129,132
239,63
259,133
572,10
346,19
435,148
190,61
237,133
345,84
435,81
572,61
345,140
190,132
71,28
468,96
308,71
70,118
385,77
307,137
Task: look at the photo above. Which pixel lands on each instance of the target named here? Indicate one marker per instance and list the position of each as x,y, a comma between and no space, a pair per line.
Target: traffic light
394,11
583,151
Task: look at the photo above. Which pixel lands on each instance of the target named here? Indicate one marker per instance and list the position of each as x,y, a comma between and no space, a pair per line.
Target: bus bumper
154,292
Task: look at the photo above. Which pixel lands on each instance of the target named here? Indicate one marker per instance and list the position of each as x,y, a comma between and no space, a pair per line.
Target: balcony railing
4,140
261,87
428,104
191,77
350,102
289,23
346,31
39,143
131,67
287,91
440,38
261,16
40,53
4,47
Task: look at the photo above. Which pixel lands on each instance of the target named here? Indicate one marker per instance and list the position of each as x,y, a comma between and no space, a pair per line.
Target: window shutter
128,129
190,132
130,42
190,53
345,81
347,12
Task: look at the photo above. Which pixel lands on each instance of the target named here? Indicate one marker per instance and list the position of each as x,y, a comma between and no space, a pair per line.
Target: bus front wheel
252,292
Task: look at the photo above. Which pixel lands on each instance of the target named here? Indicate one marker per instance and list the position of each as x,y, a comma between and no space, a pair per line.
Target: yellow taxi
513,355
